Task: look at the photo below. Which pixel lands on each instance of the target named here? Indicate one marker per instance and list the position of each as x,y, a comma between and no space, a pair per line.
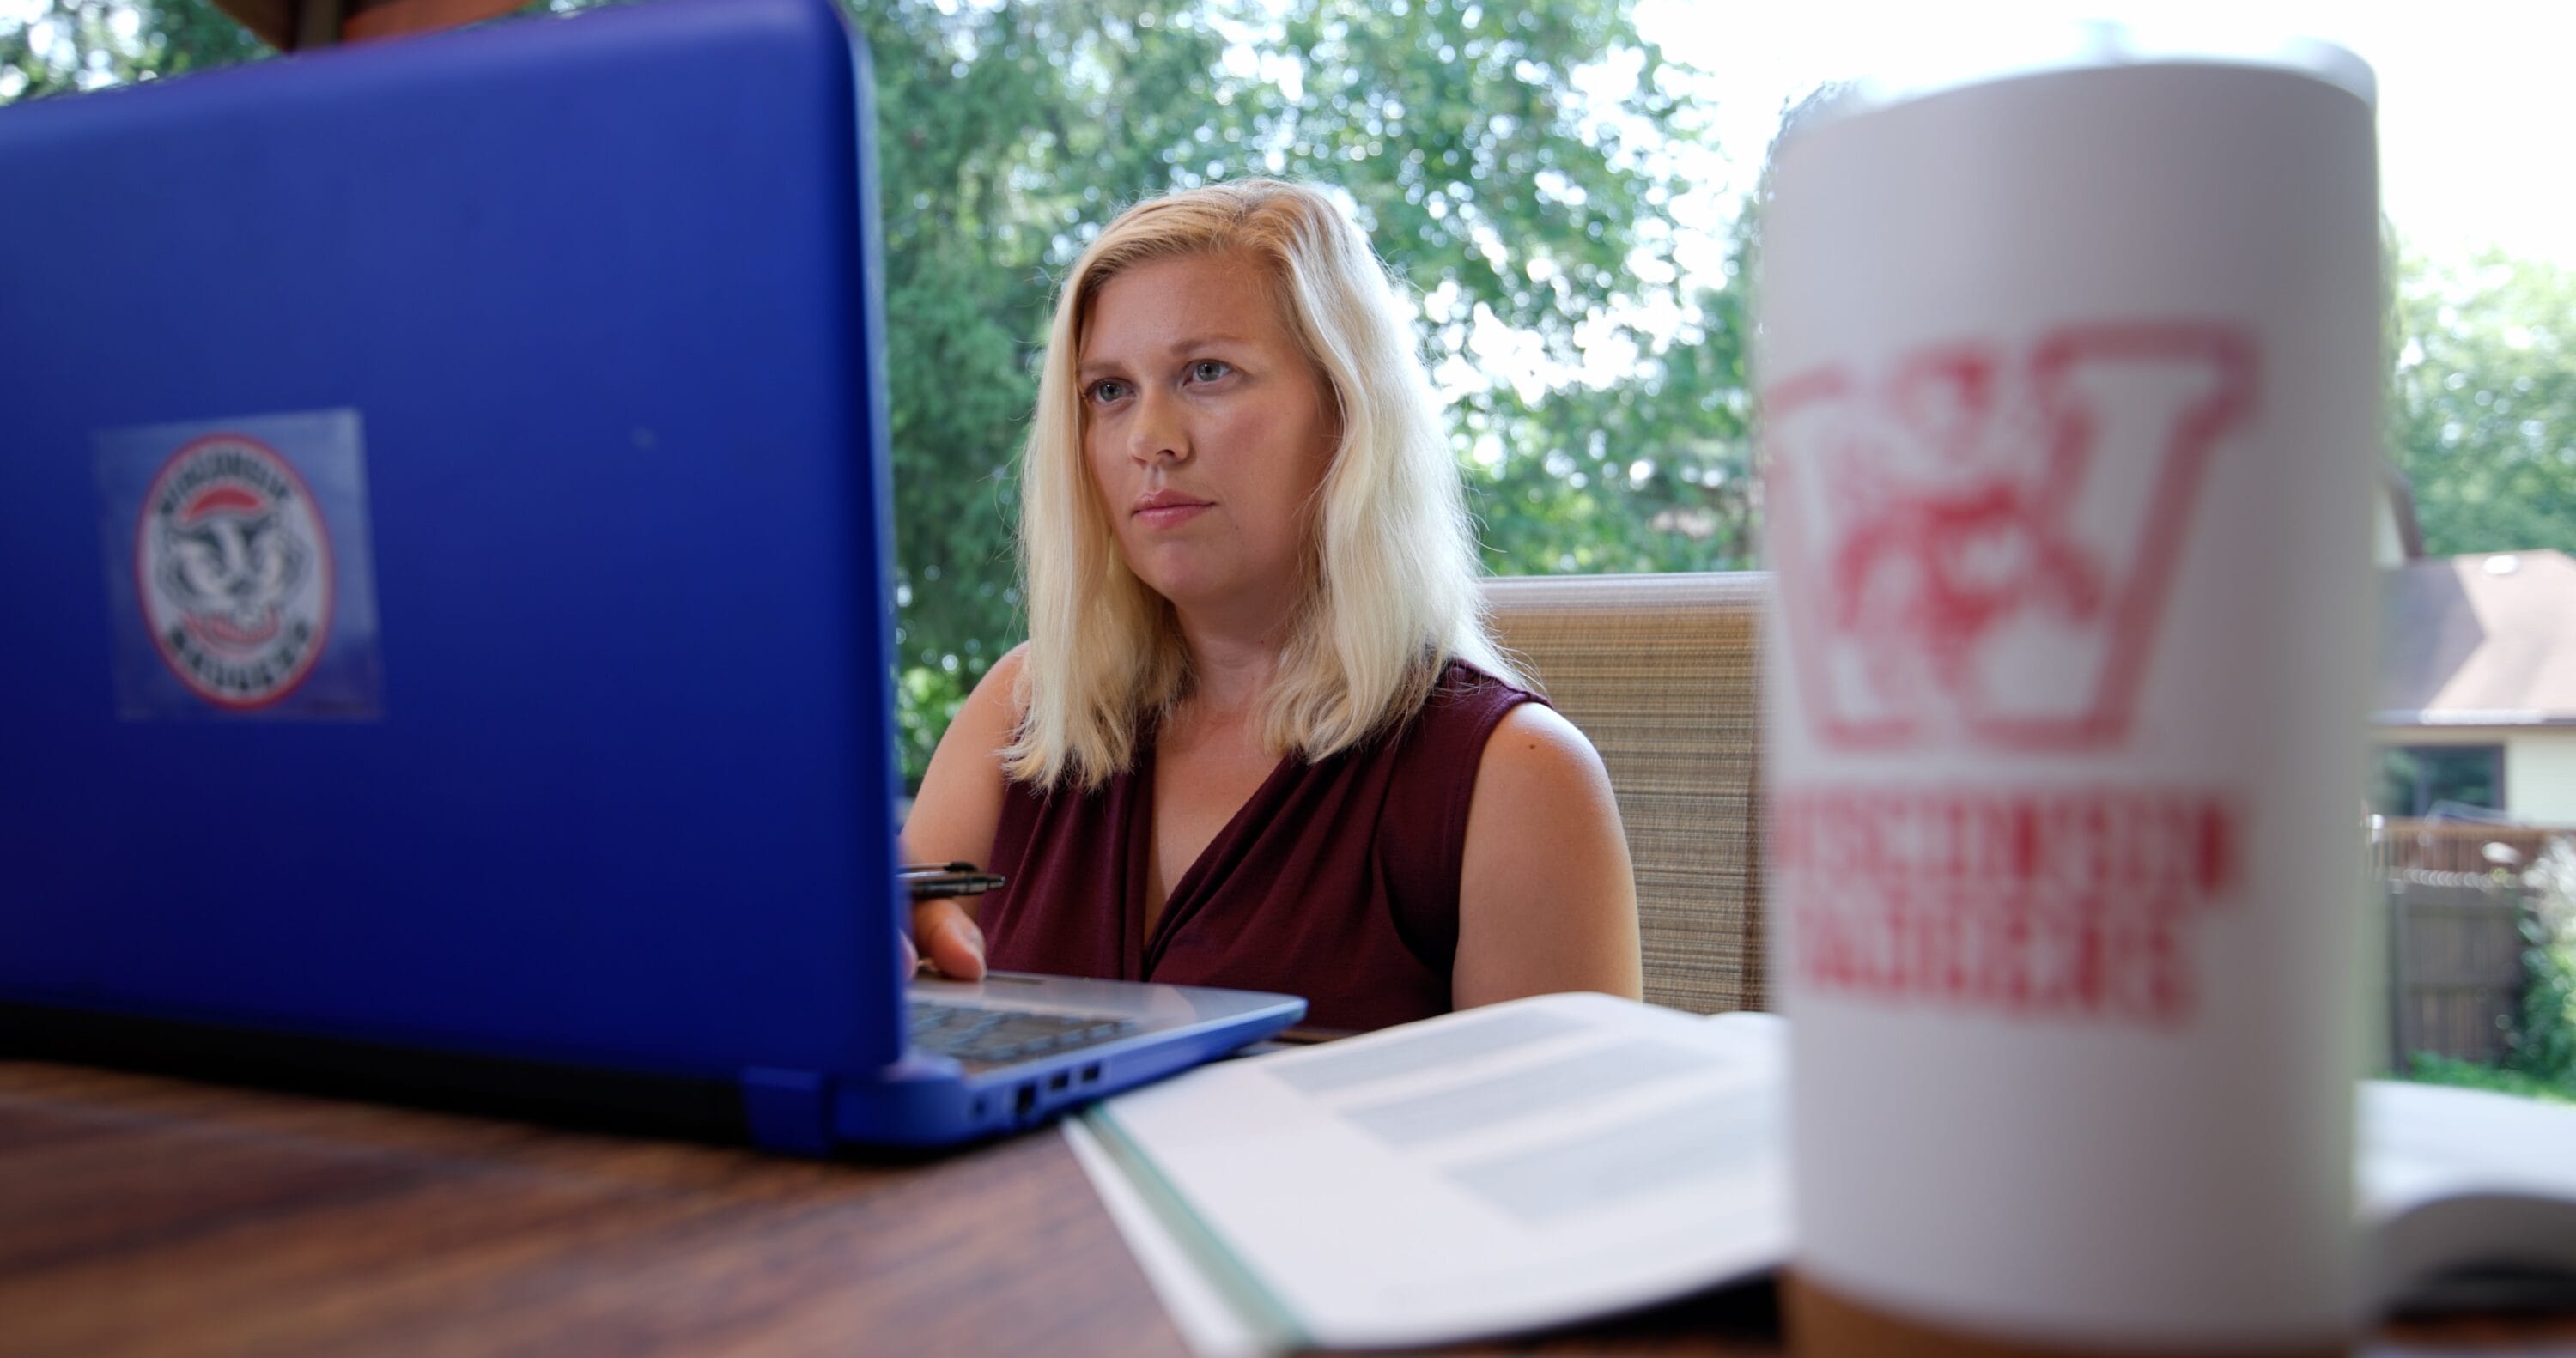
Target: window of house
2413,779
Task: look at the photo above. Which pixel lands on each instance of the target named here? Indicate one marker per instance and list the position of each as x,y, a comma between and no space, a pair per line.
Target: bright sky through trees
2474,127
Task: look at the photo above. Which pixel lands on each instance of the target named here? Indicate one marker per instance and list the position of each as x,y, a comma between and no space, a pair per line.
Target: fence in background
2454,964
2456,846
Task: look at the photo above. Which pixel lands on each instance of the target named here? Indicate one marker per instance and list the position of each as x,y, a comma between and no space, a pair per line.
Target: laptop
449,648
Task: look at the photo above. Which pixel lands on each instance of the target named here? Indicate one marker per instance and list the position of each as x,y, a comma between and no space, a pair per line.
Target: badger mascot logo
235,571
1989,530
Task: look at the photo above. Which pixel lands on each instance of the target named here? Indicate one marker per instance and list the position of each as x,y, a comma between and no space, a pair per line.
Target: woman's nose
1157,433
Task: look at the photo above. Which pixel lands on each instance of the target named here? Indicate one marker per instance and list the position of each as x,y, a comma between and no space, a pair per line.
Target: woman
1258,736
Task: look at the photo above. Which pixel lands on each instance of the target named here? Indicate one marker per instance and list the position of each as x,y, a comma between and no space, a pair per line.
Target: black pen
932,880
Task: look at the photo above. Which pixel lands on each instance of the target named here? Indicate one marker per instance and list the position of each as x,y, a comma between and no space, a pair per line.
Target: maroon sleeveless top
1337,881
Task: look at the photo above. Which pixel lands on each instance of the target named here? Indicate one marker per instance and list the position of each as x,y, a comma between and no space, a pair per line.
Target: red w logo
1974,549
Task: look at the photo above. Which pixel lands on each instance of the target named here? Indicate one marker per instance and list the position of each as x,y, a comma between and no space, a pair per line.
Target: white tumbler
2070,384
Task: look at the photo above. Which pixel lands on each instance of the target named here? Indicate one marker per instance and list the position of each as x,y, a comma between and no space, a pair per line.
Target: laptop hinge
787,1110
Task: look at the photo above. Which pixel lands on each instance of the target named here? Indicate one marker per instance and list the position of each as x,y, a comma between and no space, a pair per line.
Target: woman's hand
947,935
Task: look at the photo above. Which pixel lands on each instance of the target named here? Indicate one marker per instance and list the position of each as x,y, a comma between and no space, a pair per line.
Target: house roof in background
2483,640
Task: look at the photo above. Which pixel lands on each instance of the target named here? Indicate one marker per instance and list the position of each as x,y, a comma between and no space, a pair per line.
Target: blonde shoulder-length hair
1392,555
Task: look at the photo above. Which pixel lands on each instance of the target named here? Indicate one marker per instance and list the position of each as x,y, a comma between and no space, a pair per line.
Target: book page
1493,1170
2455,1179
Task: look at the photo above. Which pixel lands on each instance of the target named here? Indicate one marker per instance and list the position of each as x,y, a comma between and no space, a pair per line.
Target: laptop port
1059,1079
1091,1074
1028,1099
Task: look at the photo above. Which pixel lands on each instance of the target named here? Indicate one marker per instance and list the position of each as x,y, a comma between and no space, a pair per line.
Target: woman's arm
1547,900
956,813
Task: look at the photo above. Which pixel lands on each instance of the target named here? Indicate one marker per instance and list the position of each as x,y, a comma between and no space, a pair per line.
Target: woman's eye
1105,392
1208,370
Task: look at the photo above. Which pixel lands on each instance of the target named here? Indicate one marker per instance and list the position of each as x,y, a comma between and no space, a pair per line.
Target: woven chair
1662,672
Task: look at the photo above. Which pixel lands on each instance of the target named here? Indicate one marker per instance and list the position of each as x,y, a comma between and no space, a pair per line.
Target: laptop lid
452,544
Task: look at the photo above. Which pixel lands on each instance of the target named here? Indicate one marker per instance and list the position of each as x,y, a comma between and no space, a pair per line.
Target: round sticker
234,567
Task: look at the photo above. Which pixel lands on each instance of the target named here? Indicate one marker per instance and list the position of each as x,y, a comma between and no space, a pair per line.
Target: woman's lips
1164,509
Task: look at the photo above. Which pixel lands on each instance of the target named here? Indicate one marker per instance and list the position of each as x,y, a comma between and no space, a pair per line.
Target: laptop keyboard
991,1037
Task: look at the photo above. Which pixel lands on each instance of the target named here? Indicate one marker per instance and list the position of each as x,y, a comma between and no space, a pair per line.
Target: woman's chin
1209,594
1186,591
1178,571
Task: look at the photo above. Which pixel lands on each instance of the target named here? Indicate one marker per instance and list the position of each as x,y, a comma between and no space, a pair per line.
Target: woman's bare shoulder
1533,748
999,688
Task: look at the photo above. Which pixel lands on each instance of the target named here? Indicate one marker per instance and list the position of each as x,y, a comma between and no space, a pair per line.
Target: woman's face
1207,432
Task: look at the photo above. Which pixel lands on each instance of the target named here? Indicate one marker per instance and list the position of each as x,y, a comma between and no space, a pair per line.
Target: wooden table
141,1215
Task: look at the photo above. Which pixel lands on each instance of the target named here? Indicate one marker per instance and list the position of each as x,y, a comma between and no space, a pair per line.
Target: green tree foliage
1513,167
2543,1045
66,45
1511,161
1514,164
2482,403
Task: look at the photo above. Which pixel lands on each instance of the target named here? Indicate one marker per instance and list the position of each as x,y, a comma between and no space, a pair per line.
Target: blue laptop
449,641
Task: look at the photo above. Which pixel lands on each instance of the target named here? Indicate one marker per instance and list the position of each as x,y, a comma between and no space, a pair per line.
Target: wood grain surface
149,1216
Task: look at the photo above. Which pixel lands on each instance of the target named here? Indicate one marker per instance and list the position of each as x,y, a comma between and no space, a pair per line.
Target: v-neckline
1183,897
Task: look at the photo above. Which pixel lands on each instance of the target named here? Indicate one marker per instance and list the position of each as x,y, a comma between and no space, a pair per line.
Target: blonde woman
1258,735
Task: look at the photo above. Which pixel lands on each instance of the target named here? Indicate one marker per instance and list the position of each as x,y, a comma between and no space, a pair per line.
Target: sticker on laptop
239,578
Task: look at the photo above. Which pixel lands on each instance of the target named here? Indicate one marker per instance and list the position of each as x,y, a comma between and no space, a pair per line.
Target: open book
1571,1156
